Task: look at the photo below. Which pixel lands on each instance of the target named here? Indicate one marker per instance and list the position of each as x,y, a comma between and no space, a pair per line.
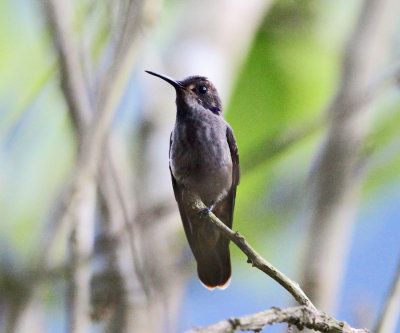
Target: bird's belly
206,171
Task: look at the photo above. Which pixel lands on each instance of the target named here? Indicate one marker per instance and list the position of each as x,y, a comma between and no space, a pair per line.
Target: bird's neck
187,111
183,112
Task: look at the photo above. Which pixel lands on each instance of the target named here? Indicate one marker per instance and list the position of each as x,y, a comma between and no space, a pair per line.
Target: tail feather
209,247
214,265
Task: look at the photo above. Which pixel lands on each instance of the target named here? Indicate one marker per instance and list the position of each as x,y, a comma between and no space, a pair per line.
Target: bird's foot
205,211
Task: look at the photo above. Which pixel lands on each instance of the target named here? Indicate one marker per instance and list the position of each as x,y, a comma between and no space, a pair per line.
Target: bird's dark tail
214,264
209,247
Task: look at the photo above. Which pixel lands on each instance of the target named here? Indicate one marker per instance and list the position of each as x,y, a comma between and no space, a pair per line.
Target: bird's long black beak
173,82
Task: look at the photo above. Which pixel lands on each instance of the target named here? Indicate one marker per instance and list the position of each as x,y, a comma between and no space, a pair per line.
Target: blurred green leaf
276,105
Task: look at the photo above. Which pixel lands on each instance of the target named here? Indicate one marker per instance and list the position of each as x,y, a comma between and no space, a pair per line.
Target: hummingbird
204,160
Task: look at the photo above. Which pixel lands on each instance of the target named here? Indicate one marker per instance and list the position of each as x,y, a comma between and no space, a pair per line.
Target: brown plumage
204,160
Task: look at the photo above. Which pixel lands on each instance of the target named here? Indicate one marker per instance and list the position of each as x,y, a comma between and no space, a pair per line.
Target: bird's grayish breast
200,158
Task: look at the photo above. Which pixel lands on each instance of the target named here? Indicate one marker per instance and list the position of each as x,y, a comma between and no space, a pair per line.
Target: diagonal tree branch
254,258
306,315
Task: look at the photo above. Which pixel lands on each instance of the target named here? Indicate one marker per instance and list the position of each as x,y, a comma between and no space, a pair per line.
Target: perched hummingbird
204,159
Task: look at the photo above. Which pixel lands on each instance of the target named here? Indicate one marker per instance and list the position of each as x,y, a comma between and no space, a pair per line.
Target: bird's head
194,91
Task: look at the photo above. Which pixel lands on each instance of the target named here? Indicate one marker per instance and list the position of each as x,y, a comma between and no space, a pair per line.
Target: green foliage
284,85
36,145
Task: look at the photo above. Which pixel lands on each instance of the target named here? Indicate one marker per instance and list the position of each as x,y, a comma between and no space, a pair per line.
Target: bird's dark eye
202,89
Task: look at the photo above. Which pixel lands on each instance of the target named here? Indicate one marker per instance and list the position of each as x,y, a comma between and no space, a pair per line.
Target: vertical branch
81,216
93,142
335,181
80,248
391,312
122,245
72,80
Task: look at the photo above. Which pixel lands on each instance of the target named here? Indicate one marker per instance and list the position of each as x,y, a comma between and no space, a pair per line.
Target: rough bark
300,316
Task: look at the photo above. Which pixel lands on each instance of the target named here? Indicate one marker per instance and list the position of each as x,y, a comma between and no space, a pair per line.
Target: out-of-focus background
90,235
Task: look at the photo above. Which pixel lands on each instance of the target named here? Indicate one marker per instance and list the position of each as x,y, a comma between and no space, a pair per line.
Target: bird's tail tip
226,284
222,286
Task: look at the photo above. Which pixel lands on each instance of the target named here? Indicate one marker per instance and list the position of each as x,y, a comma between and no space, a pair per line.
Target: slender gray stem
253,257
306,315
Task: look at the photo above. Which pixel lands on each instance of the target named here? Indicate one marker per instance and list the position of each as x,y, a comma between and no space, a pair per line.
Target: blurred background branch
83,164
389,317
253,257
336,179
91,141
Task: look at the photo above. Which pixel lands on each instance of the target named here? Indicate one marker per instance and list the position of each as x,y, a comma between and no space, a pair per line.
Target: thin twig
299,316
303,316
253,257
